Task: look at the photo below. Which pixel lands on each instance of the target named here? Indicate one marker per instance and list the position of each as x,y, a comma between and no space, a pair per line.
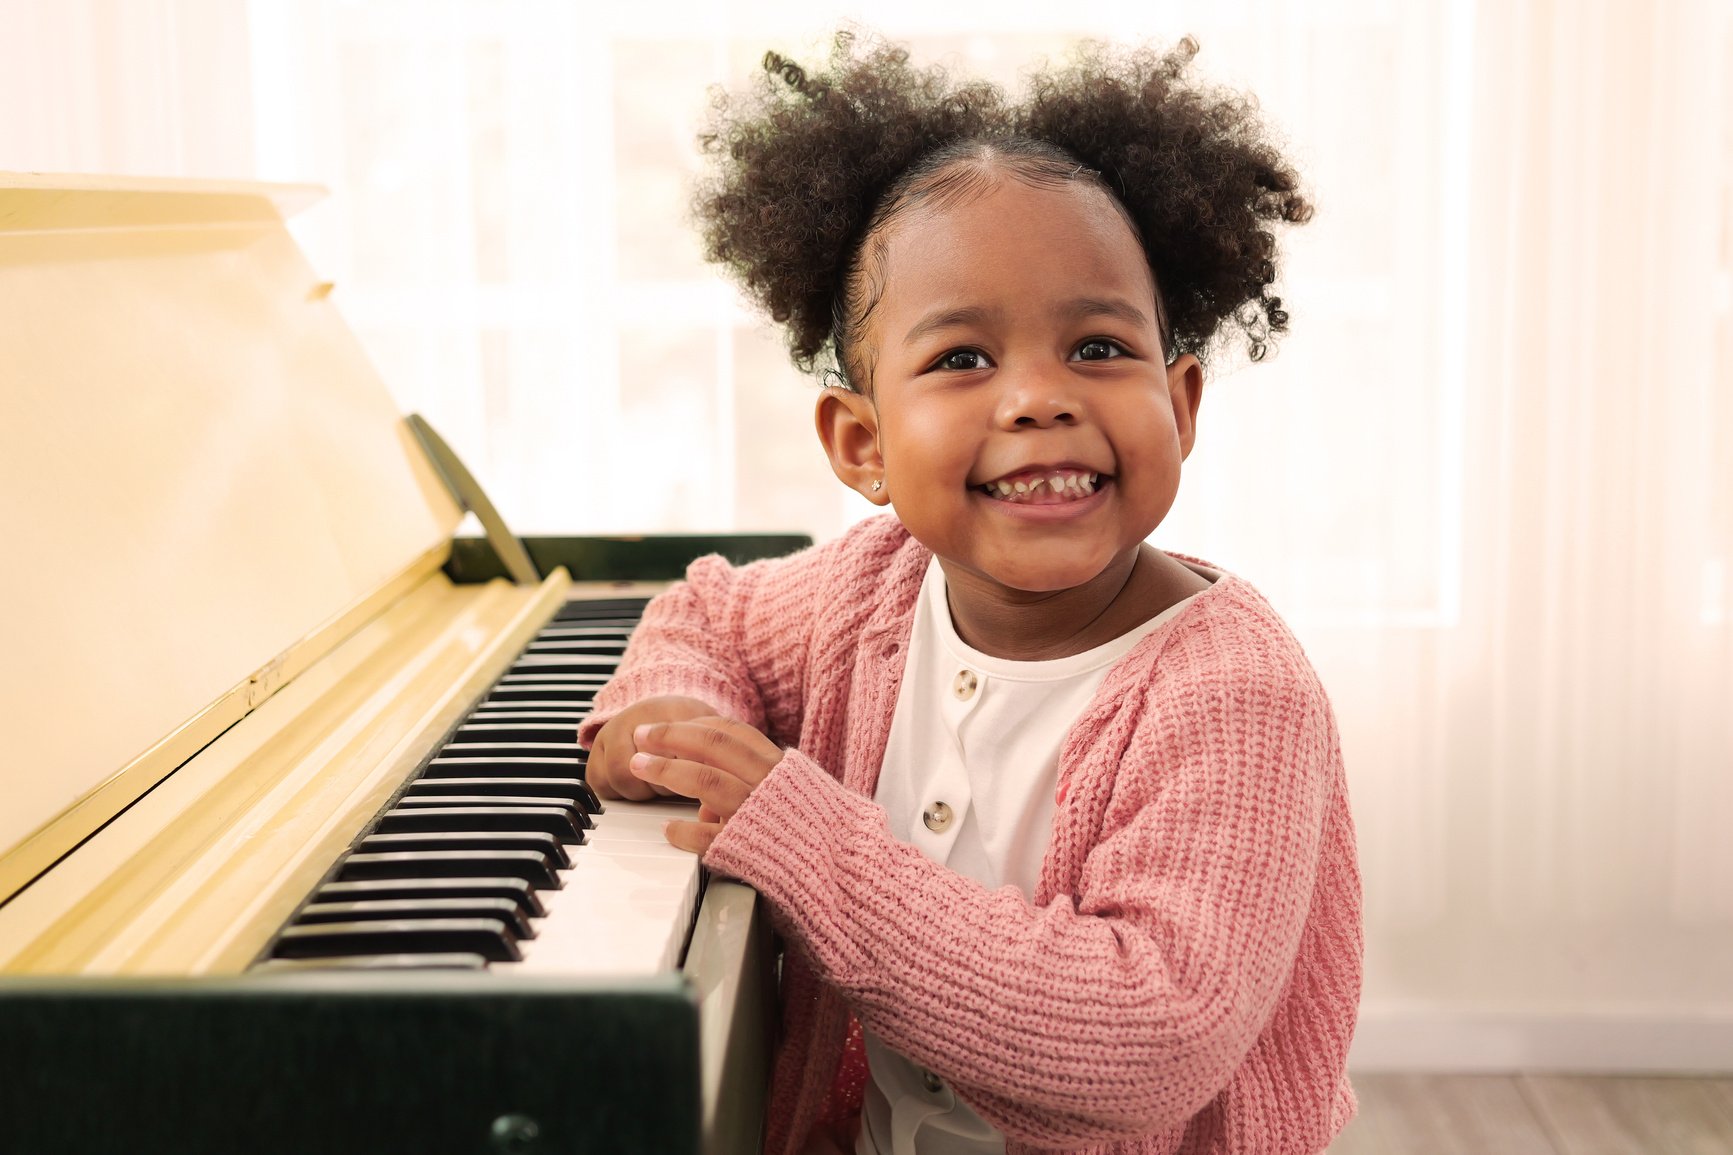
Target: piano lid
199,472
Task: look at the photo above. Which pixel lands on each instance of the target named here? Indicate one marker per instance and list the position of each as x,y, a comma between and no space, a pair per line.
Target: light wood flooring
1410,1114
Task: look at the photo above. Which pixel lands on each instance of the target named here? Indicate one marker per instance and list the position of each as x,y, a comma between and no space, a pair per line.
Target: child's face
1017,342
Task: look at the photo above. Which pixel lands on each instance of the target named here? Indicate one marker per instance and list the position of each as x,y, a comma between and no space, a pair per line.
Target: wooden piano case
235,622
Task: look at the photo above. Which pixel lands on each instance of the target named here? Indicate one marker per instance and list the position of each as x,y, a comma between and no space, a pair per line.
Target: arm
687,645
688,658
726,641
1114,1015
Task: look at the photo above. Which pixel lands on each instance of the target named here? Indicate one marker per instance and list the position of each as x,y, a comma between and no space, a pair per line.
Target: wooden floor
1539,1115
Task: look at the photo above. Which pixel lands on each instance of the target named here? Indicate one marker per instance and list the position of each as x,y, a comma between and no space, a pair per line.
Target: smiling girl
1054,823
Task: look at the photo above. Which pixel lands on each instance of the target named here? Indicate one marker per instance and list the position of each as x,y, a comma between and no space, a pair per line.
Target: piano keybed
498,855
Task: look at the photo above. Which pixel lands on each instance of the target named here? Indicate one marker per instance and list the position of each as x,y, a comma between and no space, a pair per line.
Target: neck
1030,627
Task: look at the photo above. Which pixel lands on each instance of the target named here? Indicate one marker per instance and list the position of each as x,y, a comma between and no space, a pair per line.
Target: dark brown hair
809,169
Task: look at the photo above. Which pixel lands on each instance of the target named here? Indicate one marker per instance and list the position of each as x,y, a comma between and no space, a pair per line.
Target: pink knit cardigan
1187,976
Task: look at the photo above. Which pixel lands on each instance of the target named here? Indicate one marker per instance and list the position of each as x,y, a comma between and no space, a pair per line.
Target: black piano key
579,672
539,667
569,808
615,623
533,842
422,962
545,716
478,819
624,617
519,892
627,610
566,750
369,910
446,766
597,626
609,646
488,937
489,730
573,790
576,698
597,677
491,709
575,645
574,628
532,866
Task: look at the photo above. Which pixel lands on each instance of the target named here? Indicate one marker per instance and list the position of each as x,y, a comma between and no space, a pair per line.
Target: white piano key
627,901
629,827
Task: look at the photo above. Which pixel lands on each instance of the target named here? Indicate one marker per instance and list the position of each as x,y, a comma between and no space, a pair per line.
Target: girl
1054,823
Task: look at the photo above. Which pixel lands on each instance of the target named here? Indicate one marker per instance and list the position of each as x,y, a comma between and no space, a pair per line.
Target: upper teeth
1058,482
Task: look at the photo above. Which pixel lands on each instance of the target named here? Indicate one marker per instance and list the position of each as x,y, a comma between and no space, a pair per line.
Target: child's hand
718,761
607,772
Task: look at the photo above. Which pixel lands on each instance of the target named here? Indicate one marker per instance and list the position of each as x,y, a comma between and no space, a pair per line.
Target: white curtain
1488,478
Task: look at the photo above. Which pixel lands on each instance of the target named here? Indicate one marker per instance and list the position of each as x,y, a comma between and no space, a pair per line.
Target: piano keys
294,754
602,893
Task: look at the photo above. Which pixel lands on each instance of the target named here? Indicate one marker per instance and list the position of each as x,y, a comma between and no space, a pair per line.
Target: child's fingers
693,836
607,774
723,743
717,789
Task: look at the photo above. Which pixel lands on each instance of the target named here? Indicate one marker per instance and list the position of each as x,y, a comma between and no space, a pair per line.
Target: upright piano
295,849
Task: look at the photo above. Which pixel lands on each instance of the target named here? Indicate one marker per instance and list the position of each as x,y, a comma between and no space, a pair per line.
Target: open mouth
1047,487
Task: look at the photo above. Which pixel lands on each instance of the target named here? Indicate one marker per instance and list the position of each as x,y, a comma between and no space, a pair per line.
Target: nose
1036,400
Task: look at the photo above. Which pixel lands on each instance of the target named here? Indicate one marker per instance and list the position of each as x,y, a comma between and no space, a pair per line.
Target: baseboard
1391,1039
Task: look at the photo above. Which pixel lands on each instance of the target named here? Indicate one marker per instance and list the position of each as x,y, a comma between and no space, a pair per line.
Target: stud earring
878,484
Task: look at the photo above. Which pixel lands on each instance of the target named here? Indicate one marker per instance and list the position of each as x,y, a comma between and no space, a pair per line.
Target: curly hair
808,170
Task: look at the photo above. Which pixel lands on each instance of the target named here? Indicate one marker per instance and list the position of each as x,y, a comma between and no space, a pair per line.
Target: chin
1044,579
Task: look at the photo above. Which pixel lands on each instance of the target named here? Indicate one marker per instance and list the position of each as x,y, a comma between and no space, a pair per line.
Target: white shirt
969,776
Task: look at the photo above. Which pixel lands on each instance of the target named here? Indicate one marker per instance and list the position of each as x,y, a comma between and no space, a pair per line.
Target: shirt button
932,1082
937,817
965,684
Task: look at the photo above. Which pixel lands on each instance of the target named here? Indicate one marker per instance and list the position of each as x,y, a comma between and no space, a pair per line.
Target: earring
878,484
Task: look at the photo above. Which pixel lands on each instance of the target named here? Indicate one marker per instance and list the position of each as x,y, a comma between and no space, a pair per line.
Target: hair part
951,175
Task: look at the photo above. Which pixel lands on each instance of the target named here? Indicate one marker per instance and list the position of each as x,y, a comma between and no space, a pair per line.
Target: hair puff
800,161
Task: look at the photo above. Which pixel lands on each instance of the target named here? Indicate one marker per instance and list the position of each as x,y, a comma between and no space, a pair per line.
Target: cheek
1153,455
925,438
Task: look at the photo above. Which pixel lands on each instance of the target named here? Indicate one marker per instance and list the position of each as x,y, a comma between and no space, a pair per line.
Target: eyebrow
1077,307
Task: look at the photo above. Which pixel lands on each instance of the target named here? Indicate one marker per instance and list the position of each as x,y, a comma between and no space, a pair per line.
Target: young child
1054,824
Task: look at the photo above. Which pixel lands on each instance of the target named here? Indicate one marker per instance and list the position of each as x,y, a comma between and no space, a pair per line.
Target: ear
1185,389
848,425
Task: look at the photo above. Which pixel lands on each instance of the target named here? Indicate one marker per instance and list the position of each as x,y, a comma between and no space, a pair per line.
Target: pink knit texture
1187,977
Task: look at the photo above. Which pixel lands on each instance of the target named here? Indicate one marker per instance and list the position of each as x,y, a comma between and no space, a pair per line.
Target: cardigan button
965,684
932,1082
937,817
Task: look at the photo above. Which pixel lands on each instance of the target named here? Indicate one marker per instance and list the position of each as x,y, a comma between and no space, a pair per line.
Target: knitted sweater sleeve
1114,1012
738,637
728,636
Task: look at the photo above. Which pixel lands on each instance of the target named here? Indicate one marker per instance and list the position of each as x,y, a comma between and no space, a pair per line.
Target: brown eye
1098,349
962,360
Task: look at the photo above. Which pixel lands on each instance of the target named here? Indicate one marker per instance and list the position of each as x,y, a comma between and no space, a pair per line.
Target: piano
296,853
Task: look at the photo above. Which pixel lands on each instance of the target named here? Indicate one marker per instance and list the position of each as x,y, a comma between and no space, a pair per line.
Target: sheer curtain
1488,478
1547,779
